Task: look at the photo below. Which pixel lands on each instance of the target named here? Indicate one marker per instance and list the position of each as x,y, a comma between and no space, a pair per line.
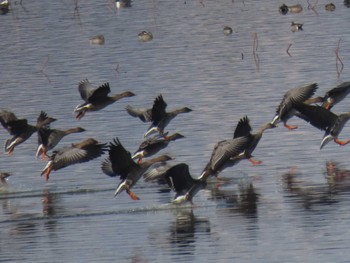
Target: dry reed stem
255,49
288,50
312,7
338,60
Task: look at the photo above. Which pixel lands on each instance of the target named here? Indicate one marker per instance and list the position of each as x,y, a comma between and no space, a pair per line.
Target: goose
96,98
20,129
120,163
81,152
160,117
285,109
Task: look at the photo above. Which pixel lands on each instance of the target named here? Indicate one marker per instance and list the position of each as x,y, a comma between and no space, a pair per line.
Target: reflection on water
184,230
244,199
337,182
182,235
46,52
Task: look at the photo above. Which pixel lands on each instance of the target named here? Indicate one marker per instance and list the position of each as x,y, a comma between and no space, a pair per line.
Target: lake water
284,210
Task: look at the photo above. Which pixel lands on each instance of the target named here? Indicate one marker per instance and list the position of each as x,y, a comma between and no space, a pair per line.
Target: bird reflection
184,230
183,233
337,182
305,194
242,199
21,227
49,203
334,172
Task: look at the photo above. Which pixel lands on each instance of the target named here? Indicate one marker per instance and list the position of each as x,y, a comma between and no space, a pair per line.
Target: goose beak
326,140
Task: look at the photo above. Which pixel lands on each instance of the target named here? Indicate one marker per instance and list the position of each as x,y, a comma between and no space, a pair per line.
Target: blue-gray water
284,210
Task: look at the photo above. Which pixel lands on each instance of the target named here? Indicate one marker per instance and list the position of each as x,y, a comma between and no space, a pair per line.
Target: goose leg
254,162
290,127
132,195
341,142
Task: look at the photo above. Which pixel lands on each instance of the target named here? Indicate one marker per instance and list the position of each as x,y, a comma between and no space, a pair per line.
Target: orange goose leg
254,162
10,152
132,195
47,173
290,127
341,142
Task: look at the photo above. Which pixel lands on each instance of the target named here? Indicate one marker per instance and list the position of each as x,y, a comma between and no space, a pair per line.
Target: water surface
283,210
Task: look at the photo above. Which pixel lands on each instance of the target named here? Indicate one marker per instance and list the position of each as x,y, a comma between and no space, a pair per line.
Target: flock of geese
299,101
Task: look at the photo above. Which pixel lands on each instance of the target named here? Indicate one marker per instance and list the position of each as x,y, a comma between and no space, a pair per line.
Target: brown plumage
20,129
81,152
120,163
151,146
96,98
160,117
226,153
286,108
243,128
48,139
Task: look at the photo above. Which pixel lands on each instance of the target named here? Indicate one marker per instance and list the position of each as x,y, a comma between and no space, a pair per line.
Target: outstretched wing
100,93
179,178
13,125
119,161
144,114
243,128
84,151
85,89
317,116
158,110
294,96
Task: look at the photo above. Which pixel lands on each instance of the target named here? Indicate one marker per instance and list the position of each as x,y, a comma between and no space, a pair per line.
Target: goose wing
13,125
77,153
243,128
100,93
317,116
144,114
294,96
226,149
119,161
158,110
179,178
